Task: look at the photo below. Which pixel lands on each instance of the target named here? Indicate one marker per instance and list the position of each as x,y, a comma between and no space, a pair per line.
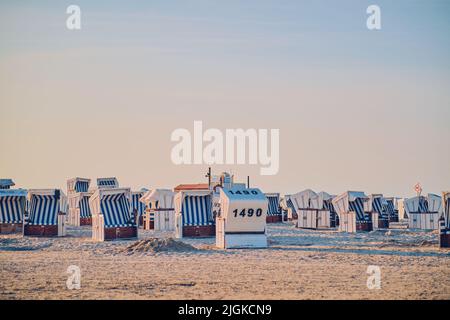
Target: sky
357,109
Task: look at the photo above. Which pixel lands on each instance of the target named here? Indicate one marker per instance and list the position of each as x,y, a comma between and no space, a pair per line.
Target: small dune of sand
155,245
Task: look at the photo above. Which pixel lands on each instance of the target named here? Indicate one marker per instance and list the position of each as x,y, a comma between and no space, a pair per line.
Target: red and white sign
418,188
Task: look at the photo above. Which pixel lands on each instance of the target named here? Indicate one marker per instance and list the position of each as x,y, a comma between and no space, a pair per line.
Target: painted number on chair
244,192
247,212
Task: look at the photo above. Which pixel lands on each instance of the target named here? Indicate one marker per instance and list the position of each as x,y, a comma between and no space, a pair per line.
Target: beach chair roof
6,183
78,184
164,197
13,193
110,182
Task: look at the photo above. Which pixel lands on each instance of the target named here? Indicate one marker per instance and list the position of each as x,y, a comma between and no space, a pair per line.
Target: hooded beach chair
111,214
79,210
12,210
349,207
424,211
47,210
274,213
193,214
159,213
375,207
242,219
138,207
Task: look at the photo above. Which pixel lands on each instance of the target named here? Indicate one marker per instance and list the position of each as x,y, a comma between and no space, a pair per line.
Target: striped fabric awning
197,211
81,186
43,209
85,211
328,205
377,206
136,204
389,208
12,209
107,182
358,206
116,210
274,207
423,205
291,205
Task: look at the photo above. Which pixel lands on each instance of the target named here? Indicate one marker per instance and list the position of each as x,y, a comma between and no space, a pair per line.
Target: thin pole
208,175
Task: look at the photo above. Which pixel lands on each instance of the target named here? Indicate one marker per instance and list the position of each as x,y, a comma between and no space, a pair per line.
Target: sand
299,264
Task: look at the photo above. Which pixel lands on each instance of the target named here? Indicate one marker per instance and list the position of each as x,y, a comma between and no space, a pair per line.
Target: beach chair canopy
114,204
375,203
289,203
80,201
6,184
389,206
44,206
423,204
136,204
321,200
415,205
107,182
302,199
434,203
195,207
12,205
159,199
327,201
274,204
351,201
78,185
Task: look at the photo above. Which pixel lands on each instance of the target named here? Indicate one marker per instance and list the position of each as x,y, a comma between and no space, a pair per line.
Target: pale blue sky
357,109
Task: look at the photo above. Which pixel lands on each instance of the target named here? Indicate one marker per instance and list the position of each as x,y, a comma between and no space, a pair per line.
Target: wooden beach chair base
7,228
86,221
383,223
273,219
40,230
120,233
364,226
199,231
393,219
444,239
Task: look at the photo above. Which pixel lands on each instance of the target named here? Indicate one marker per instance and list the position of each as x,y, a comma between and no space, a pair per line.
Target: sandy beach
299,264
